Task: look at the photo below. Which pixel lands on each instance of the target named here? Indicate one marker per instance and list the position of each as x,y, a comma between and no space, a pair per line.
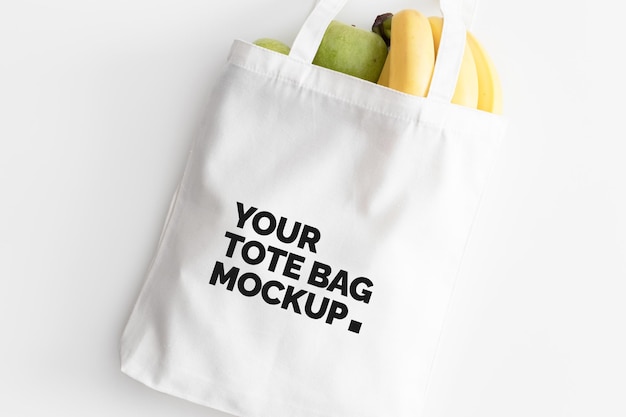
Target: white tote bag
312,246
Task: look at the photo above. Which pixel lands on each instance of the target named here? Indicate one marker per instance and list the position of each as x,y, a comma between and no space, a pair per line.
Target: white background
100,100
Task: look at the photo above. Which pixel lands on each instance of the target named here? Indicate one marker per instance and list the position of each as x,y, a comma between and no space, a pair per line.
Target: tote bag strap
457,15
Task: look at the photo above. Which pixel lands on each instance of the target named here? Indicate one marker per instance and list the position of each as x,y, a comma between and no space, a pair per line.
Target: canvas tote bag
312,246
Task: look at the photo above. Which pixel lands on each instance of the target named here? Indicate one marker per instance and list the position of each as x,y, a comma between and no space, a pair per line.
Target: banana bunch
413,40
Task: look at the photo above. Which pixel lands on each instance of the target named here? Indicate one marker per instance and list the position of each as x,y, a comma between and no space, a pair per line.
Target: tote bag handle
449,55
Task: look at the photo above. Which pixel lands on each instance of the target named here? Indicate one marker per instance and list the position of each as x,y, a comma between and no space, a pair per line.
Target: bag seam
419,120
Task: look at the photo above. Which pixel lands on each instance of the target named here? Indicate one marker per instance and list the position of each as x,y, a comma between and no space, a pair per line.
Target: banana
489,87
411,53
467,90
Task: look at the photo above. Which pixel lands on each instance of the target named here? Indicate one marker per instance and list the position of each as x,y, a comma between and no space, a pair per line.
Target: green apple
351,50
273,44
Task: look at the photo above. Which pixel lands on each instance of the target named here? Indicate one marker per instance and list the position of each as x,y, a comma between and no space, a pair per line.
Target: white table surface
100,100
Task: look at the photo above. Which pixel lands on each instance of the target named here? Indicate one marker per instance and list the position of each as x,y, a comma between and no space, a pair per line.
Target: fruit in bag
351,50
412,55
273,44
